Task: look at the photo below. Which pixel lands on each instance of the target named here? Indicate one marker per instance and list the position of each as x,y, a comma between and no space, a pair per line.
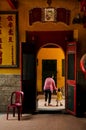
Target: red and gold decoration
83,5
49,14
83,9
8,39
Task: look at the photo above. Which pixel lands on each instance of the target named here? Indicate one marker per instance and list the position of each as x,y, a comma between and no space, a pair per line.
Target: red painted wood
83,5
13,4
71,49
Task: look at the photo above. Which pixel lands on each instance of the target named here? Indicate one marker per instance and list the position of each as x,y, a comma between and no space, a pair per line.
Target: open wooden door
71,78
28,77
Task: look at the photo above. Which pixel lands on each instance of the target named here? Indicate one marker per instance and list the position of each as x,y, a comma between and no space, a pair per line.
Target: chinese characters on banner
7,39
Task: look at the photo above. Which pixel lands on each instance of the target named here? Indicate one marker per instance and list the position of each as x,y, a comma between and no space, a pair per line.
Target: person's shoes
61,104
45,104
49,104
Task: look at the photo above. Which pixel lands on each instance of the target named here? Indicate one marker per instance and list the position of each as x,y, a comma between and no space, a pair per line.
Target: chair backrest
17,97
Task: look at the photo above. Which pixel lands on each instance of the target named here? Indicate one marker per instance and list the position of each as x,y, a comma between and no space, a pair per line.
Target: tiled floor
43,122
41,106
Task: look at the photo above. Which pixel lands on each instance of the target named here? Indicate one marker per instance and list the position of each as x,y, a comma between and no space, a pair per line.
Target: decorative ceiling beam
13,3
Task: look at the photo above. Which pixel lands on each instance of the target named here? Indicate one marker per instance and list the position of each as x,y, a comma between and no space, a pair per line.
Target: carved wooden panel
63,15
35,15
58,15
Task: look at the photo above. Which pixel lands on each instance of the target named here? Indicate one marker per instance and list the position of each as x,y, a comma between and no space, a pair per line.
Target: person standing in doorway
49,87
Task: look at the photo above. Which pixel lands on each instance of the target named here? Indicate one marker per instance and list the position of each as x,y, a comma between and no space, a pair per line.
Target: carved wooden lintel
49,14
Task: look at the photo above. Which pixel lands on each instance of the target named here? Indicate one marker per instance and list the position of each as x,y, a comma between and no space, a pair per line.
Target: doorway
49,67
30,53
50,61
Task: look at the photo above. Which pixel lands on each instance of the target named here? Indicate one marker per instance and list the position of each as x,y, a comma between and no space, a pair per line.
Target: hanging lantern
49,2
83,64
83,5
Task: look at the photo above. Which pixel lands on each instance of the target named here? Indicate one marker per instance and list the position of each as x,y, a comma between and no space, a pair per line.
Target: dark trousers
48,96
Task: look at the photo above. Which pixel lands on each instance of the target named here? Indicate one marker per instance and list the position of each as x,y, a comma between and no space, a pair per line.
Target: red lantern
83,5
83,64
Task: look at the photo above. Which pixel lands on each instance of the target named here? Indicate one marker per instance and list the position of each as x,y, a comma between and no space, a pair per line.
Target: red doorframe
39,39
71,78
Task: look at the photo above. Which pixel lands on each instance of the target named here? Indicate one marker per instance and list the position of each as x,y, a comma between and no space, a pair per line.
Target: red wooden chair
16,103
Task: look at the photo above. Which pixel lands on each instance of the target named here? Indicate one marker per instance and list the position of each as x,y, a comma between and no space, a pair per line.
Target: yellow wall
23,10
50,53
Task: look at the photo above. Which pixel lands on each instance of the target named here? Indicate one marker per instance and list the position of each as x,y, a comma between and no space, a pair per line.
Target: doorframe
41,38
71,49
54,46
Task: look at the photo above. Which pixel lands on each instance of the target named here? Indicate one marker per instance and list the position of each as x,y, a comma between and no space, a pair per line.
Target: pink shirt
49,84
